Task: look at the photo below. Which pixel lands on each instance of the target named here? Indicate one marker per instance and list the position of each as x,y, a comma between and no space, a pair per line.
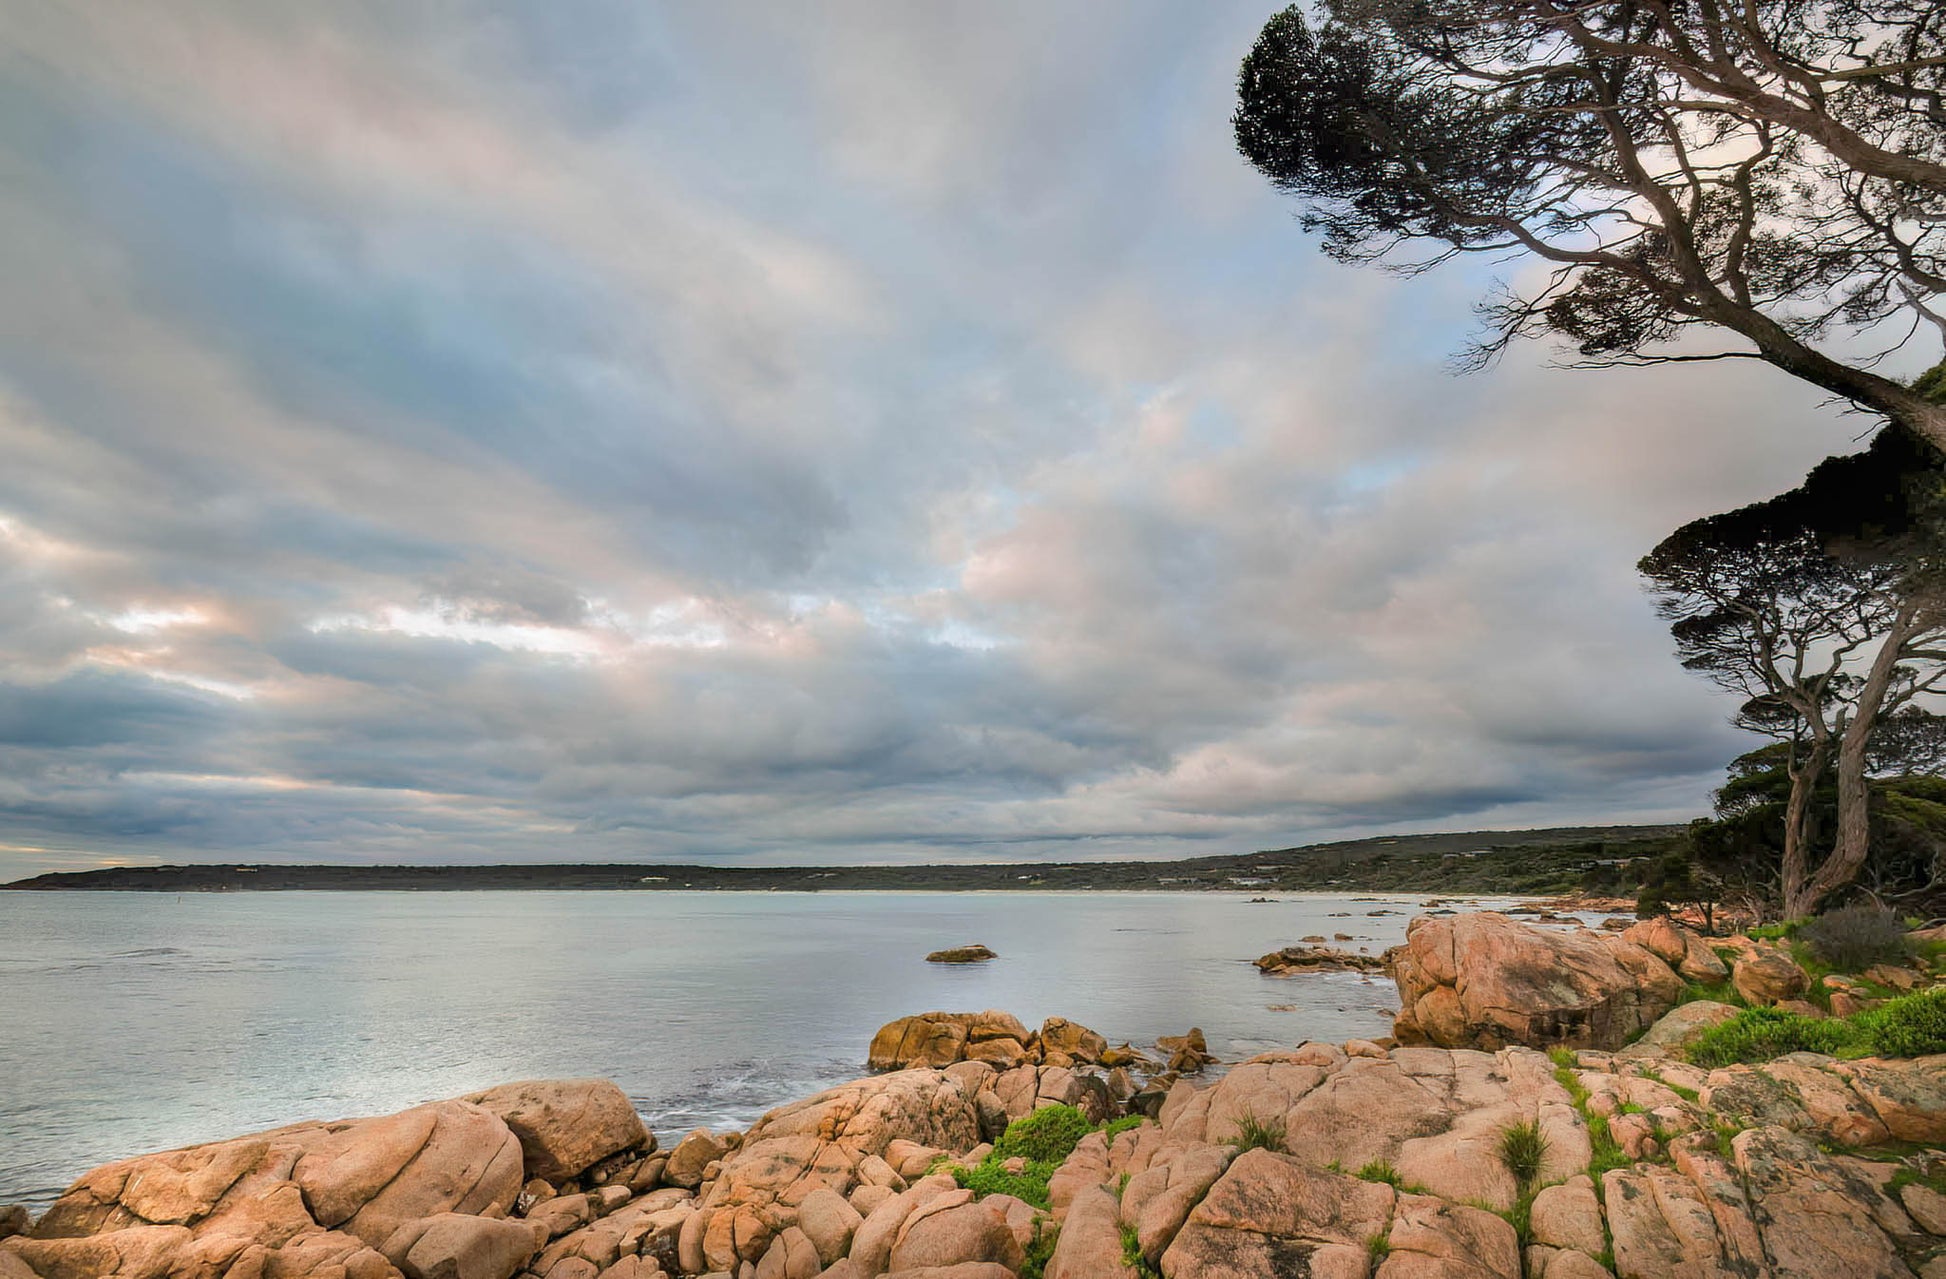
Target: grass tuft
1523,1149
1607,1153
1132,1255
1260,1134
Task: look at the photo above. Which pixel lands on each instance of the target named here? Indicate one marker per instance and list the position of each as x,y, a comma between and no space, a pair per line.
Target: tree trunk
1798,813
1854,791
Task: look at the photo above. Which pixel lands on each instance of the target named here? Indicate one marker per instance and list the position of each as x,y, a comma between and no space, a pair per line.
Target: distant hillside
1521,862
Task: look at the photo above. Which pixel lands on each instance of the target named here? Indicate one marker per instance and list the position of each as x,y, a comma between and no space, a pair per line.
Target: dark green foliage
1381,1170
1855,938
1675,879
1116,1127
1378,1246
1522,1150
1048,1134
1932,383
1259,1134
1910,1026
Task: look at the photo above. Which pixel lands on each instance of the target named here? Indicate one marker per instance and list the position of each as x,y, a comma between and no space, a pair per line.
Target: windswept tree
1768,171
1759,609
1823,609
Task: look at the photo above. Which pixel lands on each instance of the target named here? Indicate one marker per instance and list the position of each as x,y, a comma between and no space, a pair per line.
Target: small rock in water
974,954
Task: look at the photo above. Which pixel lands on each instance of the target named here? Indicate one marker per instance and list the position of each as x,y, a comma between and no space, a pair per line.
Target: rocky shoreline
1535,1115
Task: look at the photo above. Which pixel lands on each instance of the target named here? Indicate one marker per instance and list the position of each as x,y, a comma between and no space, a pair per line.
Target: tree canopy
1769,169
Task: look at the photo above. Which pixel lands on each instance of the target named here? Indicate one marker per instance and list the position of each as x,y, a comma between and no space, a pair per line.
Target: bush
1049,1134
1044,1139
1909,1026
1856,937
1029,1185
1759,1034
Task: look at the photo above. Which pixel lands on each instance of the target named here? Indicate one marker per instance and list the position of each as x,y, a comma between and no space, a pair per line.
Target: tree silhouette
1769,169
1823,609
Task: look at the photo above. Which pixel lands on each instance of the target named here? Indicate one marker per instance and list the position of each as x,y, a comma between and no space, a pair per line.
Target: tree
1675,879
1739,848
1773,169
1824,610
1758,608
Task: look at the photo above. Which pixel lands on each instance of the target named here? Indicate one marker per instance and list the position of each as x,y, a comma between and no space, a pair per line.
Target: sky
781,433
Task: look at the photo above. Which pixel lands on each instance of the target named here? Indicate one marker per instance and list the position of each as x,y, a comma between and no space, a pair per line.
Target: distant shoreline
1548,861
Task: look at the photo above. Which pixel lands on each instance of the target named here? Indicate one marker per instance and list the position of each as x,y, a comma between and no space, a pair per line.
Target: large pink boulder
565,1125
1482,980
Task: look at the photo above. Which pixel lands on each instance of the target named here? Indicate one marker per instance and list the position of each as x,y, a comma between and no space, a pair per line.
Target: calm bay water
138,1022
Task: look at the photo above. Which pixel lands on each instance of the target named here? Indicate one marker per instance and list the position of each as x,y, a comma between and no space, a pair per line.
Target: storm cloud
851,432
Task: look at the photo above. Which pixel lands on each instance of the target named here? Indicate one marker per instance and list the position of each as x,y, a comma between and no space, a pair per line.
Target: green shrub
1759,1034
990,1178
1380,1170
1050,1134
1909,1026
1259,1134
1116,1127
1379,1246
1044,1139
1856,937
1523,1148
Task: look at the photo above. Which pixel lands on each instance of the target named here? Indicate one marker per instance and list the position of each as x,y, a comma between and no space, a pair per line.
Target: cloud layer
785,433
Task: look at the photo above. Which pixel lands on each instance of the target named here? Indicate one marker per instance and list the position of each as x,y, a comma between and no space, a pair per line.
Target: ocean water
137,1022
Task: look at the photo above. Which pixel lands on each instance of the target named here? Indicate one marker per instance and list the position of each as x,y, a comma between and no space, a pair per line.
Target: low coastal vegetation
1030,1151
1906,1026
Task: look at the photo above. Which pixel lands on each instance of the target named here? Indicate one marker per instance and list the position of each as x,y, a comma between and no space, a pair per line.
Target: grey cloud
726,432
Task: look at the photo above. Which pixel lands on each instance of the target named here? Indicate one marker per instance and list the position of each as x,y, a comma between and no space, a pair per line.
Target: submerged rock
975,954
1313,959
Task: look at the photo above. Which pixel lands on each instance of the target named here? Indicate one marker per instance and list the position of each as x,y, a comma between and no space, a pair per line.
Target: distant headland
1555,860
